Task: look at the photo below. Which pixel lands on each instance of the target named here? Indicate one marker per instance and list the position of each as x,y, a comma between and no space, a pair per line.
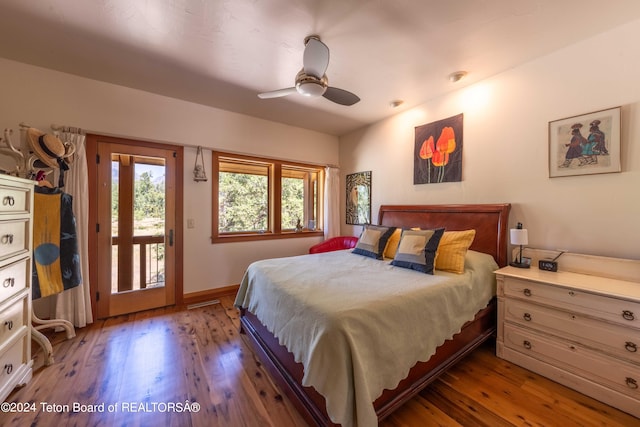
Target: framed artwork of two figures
586,144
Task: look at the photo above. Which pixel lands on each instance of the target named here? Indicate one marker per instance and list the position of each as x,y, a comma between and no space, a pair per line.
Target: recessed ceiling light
456,76
396,103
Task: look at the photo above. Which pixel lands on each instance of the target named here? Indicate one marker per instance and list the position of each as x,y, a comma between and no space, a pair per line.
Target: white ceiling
223,52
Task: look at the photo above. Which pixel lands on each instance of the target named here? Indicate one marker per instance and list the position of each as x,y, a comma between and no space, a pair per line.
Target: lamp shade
519,236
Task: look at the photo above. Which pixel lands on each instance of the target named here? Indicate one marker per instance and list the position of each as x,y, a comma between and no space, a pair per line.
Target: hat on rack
48,148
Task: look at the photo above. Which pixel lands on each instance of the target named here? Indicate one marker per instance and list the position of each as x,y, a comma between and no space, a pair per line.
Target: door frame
92,166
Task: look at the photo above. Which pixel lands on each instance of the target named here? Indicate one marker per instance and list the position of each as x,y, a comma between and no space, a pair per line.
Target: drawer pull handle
631,383
527,317
8,368
571,293
9,324
526,344
8,200
7,239
527,292
9,282
628,315
631,347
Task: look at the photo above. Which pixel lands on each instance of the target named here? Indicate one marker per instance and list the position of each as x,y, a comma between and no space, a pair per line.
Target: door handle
171,237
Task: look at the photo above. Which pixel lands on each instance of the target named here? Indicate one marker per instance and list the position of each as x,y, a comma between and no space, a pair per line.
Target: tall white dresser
16,203
581,329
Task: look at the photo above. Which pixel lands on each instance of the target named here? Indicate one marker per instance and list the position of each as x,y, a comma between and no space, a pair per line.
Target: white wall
42,97
505,154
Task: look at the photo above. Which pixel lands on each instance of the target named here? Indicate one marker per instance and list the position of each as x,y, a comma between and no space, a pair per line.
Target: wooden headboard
489,220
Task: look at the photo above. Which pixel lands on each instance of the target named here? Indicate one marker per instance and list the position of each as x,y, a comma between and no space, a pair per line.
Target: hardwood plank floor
147,369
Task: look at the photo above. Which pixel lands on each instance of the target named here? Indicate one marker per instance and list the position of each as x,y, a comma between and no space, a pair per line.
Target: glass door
136,230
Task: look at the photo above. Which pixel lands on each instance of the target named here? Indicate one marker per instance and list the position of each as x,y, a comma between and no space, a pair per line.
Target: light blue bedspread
358,324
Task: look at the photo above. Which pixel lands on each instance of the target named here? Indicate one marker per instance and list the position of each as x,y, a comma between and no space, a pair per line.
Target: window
258,198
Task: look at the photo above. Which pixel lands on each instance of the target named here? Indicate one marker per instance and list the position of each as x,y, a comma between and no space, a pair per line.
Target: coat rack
24,162
27,163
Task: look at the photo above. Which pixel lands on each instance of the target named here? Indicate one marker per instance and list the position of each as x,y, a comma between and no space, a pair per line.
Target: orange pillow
453,249
392,244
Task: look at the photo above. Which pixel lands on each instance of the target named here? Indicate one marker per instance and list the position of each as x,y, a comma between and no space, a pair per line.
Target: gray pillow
373,240
417,249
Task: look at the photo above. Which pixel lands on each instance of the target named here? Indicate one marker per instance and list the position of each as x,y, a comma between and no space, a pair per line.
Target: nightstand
580,330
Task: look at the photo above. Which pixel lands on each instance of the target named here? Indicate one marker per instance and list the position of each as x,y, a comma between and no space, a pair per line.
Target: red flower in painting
427,149
440,159
446,144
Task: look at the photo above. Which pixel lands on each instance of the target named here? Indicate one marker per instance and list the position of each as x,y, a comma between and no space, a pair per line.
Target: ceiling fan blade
340,96
277,93
316,57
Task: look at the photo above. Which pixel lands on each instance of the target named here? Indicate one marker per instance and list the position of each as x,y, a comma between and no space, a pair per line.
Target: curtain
331,203
74,304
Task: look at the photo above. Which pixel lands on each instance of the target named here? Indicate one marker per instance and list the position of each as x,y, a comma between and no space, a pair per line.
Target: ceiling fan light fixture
310,89
311,86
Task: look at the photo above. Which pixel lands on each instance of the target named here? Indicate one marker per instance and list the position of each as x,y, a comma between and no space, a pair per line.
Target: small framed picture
585,144
358,204
526,261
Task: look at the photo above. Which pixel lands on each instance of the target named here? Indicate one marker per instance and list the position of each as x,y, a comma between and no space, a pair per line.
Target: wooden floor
181,368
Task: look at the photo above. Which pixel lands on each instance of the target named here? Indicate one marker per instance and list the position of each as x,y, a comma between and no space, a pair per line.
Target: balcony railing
148,264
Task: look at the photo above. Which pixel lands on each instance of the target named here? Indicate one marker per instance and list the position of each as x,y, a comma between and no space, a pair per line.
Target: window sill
230,238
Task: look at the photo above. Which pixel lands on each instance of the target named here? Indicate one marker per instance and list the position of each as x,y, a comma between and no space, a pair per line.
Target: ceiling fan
312,81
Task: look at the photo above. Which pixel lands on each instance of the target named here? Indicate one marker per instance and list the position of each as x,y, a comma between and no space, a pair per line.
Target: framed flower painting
437,153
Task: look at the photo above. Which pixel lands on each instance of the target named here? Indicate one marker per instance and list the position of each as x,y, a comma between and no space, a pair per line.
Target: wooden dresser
16,202
580,330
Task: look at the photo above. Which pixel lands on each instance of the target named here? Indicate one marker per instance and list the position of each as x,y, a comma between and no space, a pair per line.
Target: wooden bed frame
490,222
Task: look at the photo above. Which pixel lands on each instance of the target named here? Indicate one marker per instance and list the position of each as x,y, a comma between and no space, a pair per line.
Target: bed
354,373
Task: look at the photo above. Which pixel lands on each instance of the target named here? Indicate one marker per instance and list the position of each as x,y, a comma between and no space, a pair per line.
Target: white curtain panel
331,203
74,304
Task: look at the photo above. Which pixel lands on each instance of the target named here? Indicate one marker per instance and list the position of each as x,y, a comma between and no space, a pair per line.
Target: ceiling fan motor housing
311,86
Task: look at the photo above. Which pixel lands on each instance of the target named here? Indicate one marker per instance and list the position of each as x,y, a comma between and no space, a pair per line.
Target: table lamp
519,236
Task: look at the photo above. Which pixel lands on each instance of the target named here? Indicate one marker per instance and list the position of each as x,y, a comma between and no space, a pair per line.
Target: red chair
334,244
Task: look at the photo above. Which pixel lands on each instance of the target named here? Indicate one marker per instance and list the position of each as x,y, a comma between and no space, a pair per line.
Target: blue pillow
417,250
373,240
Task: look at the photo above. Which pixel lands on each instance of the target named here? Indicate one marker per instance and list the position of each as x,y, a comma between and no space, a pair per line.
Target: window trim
275,200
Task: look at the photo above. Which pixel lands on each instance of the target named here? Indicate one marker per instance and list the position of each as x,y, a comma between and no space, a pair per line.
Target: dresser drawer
13,278
14,200
607,371
14,237
610,338
12,360
615,310
12,319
